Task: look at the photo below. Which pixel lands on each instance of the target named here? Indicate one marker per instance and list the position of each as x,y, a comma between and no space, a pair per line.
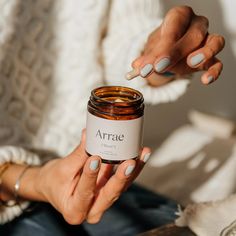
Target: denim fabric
42,221
136,211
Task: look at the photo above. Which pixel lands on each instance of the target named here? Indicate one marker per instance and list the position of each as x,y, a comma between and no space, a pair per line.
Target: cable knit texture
53,53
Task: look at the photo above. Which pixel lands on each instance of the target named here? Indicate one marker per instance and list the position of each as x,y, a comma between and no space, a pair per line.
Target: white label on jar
113,139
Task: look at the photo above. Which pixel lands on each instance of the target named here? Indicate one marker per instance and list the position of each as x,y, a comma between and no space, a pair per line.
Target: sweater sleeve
130,23
210,218
15,155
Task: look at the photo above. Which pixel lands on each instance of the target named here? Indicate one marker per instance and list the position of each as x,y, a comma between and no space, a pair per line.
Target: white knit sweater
52,54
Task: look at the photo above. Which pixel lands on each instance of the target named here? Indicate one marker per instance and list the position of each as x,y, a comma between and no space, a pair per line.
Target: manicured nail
168,74
146,70
195,60
210,79
94,164
146,157
129,170
162,64
132,74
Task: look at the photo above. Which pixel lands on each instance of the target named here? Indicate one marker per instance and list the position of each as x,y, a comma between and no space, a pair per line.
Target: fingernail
195,60
146,157
93,164
129,170
168,74
146,70
210,79
162,64
132,74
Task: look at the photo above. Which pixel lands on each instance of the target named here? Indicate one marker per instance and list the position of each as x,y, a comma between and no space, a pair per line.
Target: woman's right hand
82,188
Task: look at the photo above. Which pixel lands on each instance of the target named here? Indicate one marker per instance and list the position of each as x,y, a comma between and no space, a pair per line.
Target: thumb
79,154
81,147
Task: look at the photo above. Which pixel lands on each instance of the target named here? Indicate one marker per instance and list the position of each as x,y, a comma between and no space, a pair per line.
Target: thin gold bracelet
17,184
3,169
14,202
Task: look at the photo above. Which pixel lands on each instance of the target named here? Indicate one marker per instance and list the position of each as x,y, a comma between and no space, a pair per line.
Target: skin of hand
78,186
181,45
83,190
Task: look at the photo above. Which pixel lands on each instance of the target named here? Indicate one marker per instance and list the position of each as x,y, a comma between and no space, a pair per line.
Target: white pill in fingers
132,74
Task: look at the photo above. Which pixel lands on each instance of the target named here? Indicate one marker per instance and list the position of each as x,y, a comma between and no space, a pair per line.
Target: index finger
176,23
118,183
111,191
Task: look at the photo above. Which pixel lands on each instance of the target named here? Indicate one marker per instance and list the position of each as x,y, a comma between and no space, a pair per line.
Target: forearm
28,184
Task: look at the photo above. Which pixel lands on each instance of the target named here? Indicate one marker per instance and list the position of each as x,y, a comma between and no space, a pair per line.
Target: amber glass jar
115,123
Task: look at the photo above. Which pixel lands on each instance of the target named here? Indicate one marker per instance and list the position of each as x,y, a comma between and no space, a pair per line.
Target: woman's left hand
79,186
180,46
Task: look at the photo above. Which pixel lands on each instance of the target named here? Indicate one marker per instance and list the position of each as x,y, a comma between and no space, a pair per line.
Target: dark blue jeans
136,211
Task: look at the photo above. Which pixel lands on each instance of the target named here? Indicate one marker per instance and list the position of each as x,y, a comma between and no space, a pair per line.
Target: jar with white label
115,123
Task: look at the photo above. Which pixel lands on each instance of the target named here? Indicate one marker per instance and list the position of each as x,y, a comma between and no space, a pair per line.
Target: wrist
27,184
43,180
29,187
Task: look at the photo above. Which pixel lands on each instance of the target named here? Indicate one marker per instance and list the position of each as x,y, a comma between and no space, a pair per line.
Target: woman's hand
180,46
82,188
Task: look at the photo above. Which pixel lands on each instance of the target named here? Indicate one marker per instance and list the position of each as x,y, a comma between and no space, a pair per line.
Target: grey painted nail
93,164
162,64
195,60
210,79
146,157
132,74
146,70
129,170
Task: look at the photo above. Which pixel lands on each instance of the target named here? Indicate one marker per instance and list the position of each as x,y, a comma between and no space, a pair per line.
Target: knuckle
93,220
111,198
86,196
74,219
183,10
210,52
95,217
198,35
221,66
80,218
221,40
204,20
